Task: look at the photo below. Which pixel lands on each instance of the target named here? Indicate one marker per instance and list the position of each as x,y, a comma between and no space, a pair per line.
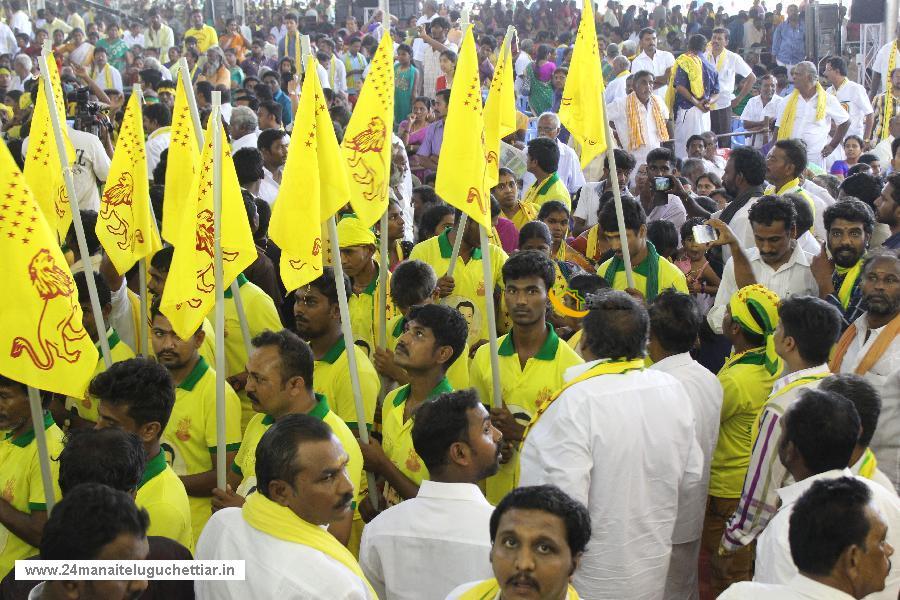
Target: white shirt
799,588
20,22
616,89
569,170
624,446
885,377
792,278
99,77
428,545
619,116
673,210
268,187
706,395
274,568
522,62
157,141
163,39
658,65
337,75
7,40
716,166
732,65
773,551
131,40
245,141
855,100
753,111
814,133
121,317
882,60
878,476
752,35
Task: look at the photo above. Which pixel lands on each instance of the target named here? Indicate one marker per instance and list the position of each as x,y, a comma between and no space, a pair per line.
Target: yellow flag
182,163
367,141
582,109
499,114
313,187
42,341
191,285
42,164
125,224
460,173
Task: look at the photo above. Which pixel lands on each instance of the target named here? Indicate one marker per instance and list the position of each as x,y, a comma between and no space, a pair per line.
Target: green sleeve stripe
353,505
36,506
354,428
236,469
228,448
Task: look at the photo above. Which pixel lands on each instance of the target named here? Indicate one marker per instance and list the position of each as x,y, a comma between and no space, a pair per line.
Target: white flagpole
220,292
40,437
617,198
73,207
490,315
384,269
144,343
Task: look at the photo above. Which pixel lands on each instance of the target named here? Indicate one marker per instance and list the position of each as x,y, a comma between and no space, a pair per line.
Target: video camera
87,115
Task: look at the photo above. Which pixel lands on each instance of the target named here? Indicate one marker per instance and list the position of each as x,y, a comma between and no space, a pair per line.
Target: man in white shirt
753,117
851,95
819,434
644,113
569,170
776,261
134,36
524,58
728,65
587,213
157,121
617,87
806,124
675,321
104,74
594,440
8,44
428,54
426,546
302,484
244,127
272,144
337,72
661,205
159,35
658,62
881,66
18,18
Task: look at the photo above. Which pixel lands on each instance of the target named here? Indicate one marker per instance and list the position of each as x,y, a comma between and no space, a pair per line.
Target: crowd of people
725,425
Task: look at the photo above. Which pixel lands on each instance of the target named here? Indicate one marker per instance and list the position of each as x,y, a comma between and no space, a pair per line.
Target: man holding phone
661,193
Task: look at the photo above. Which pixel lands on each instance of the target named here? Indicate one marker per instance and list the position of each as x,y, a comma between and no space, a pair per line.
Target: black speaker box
867,11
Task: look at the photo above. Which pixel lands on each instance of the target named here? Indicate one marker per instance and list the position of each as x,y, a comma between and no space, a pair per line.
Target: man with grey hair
569,170
244,127
526,47
22,66
798,113
617,88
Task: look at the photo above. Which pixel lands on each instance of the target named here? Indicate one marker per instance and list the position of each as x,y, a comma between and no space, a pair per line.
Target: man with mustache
435,336
870,348
427,545
189,438
280,383
302,485
849,224
538,537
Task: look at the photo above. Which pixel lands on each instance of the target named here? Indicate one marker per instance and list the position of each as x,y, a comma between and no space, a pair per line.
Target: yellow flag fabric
42,164
499,114
313,187
42,341
582,109
191,286
125,224
367,141
460,172
182,164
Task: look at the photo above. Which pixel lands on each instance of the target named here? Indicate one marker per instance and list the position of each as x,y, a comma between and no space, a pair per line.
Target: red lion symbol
120,194
475,196
56,328
61,202
368,141
206,243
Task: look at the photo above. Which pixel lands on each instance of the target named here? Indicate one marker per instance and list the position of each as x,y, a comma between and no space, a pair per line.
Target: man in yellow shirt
435,336
137,396
543,162
651,274
82,412
532,359
318,321
23,508
465,290
507,194
189,439
204,34
414,283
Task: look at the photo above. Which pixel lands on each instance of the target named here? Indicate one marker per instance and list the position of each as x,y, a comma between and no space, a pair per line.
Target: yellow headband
351,232
755,308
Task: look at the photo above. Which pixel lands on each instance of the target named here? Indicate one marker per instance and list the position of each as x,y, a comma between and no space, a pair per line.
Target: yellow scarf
789,115
793,187
107,74
693,66
637,128
280,522
297,59
489,589
624,73
889,94
720,62
797,383
851,276
869,464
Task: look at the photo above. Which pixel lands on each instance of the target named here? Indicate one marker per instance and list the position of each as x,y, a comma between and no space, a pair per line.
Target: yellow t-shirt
205,36
163,496
526,213
468,295
746,384
397,437
523,390
119,351
457,373
245,461
549,188
362,314
669,276
261,315
189,439
331,378
21,485
575,341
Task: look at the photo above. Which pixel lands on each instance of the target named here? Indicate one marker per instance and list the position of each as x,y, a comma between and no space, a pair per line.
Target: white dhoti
682,581
687,123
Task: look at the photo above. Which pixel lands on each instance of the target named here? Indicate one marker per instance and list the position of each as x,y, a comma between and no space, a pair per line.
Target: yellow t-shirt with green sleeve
87,407
397,437
667,275
189,439
363,311
526,213
331,378
259,308
22,486
468,295
163,496
523,390
549,188
746,385
457,373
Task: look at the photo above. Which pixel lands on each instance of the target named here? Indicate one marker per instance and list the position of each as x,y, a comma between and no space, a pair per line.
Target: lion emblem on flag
119,196
369,141
206,233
